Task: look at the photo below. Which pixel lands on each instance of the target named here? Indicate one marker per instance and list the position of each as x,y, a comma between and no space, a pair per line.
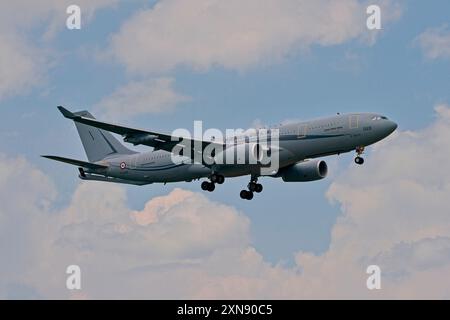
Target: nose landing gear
359,160
359,151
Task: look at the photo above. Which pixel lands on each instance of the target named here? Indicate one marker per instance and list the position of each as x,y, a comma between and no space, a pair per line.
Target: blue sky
392,76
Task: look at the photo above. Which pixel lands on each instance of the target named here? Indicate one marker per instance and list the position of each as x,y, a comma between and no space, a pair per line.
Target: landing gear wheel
220,179
208,186
217,178
247,195
252,186
212,186
205,185
359,160
258,188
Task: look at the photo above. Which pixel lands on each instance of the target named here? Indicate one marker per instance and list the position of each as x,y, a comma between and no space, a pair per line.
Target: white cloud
114,245
183,245
25,30
20,66
26,195
399,197
435,42
237,34
405,258
140,97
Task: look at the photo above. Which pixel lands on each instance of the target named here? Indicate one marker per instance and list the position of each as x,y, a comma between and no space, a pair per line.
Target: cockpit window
379,118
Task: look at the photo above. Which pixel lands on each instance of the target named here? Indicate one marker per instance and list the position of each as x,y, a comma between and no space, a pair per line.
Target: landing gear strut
359,151
253,186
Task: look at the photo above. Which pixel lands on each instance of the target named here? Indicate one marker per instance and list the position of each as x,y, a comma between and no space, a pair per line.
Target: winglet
66,113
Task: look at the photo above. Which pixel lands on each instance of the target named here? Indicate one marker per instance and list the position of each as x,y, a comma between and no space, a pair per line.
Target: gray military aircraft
298,146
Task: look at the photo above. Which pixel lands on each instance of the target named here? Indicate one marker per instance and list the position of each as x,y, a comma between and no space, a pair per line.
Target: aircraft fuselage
297,141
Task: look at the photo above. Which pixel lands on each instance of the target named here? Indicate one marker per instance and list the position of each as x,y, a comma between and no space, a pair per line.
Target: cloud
237,34
26,195
20,67
184,245
405,258
141,97
435,42
96,230
26,28
397,203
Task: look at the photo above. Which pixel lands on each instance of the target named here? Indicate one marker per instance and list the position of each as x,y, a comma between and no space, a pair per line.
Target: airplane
300,144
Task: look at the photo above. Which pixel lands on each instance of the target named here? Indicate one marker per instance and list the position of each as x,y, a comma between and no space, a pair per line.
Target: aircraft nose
394,125
391,126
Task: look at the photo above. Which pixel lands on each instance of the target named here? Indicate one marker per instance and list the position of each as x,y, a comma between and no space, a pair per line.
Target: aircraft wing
138,136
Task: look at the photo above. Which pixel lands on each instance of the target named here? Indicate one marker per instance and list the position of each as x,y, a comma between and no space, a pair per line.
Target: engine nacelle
309,170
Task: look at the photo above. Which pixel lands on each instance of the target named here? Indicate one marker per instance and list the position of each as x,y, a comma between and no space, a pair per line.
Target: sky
161,65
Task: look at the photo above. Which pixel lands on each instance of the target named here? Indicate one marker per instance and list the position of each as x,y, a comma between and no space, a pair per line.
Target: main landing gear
253,186
359,151
211,185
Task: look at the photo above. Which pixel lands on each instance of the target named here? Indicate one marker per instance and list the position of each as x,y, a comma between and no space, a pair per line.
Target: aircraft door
354,121
302,131
134,159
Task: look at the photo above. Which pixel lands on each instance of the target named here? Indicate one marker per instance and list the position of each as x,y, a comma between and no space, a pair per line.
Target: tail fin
97,143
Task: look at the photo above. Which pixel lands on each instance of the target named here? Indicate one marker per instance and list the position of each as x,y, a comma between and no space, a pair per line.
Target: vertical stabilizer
98,143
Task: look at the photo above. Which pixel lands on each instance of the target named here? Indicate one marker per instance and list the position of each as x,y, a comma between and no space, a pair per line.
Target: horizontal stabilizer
78,163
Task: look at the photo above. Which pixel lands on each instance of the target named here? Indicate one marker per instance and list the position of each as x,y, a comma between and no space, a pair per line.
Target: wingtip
66,113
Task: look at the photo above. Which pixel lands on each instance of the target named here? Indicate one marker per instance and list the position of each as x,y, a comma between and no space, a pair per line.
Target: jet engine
309,170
